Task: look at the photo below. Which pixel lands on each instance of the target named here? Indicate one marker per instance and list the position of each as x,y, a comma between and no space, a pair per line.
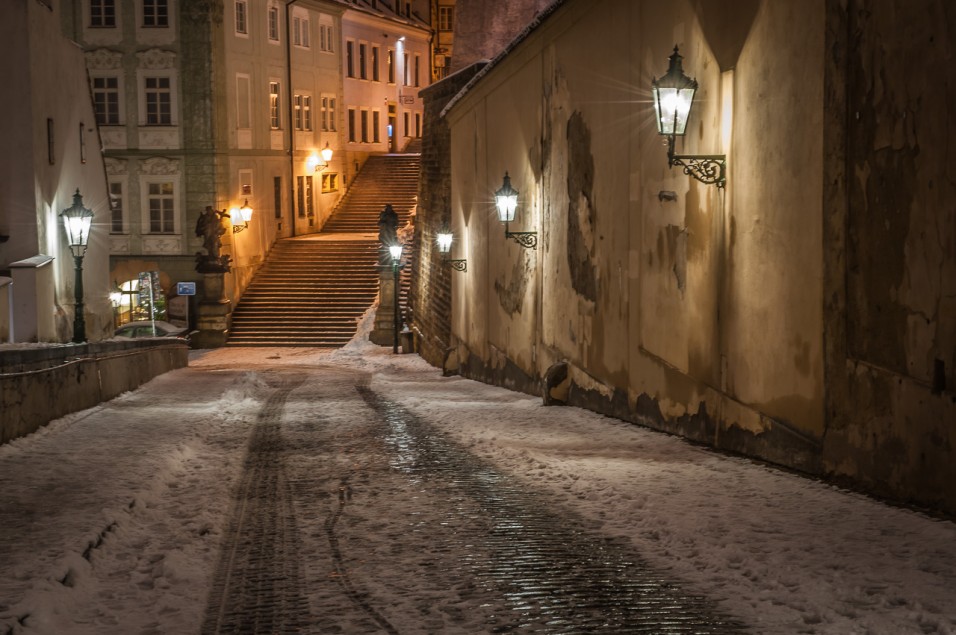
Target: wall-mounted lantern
78,220
506,201
673,100
240,217
445,239
316,164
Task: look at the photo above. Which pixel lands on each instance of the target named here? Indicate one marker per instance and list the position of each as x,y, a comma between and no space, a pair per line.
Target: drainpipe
289,119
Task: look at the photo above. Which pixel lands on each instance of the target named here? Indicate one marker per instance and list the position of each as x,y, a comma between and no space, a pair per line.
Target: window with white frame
418,64
300,31
327,44
352,125
363,117
117,207
405,70
327,113
363,60
161,203
157,98
155,13
305,196
349,58
330,182
273,24
106,100
376,125
302,111
242,17
446,18
391,66
275,106
103,14
375,64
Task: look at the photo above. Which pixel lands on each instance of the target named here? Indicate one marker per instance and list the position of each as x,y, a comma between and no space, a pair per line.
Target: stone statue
210,228
388,226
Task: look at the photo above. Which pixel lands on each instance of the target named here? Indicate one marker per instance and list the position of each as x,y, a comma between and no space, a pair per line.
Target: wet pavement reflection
555,575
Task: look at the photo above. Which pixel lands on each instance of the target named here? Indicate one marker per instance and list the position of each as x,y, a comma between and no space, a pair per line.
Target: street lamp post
396,252
77,220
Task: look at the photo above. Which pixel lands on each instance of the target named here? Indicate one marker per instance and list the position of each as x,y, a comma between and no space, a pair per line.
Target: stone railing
40,384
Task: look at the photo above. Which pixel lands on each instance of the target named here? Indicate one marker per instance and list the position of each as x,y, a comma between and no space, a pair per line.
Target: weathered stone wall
430,291
804,315
40,385
891,249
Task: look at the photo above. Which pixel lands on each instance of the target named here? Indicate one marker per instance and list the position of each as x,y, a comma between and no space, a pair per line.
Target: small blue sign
185,288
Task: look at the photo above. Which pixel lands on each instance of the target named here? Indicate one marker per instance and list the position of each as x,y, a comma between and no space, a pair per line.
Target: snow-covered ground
142,482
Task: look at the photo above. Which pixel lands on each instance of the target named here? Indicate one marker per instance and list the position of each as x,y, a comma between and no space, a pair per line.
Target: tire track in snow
257,586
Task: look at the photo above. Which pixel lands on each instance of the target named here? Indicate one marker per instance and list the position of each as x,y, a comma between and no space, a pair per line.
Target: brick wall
430,289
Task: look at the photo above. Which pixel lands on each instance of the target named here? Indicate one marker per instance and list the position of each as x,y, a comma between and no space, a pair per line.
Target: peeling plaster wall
891,265
804,315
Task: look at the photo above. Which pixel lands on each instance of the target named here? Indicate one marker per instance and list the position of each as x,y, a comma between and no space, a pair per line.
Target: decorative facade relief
113,137
165,244
156,59
104,60
116,167
160,166
119,244
159,138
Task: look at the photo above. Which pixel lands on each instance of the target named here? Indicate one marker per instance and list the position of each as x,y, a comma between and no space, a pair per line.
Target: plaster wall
690,308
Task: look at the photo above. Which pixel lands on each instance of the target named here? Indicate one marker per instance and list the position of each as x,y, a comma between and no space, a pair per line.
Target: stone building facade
801,315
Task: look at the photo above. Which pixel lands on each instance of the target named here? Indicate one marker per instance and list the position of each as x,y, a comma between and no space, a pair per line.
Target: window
158,100
330,182
363,60
325,38
446,18
300,32
274,24
155,13
162,209
117,225
364,119
391,66
407,130
242,24
328,113
376,124
306,204
418,124
349,58
106,100
103,14
277,195
302,110
418,64
275,103
405,70
351,125
375,64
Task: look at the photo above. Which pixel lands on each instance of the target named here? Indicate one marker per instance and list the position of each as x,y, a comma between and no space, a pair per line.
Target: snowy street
356,491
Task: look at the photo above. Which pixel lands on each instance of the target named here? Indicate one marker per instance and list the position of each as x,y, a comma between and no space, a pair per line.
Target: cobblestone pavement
368,520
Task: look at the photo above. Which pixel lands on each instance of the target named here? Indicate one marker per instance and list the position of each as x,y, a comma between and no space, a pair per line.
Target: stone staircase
390,178
312,290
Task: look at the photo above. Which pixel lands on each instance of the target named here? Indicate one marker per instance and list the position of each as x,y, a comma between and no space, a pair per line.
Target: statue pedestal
213,313
384,332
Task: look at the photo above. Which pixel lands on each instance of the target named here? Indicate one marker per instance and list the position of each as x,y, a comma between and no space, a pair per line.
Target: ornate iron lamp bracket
459,264
709,169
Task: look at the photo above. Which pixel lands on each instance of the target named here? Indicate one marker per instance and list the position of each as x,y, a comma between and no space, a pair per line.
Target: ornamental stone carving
157,59
116,167
159,166
104,60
